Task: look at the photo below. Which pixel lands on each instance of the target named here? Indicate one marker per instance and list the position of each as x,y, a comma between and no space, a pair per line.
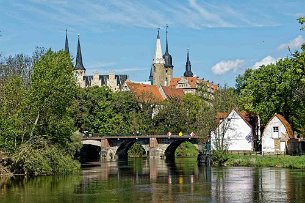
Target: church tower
67,43
188,68
168,66
79,67
157,76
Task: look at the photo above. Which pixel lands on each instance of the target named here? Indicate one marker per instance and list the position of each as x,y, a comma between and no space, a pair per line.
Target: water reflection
157,180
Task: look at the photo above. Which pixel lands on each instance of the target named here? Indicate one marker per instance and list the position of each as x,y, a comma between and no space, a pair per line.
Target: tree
302,22
276,88
53,92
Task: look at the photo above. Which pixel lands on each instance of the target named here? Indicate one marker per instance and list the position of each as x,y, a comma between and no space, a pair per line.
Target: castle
113,81
161,74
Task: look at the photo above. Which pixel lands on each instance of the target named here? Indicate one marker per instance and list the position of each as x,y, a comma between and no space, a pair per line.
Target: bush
220,157
186,149
48,160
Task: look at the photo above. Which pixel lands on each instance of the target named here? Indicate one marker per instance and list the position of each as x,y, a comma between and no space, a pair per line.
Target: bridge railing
140,135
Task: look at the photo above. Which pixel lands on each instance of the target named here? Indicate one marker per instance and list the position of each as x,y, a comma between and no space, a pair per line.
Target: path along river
155,180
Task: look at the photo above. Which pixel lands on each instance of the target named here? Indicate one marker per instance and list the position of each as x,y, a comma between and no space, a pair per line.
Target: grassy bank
279,161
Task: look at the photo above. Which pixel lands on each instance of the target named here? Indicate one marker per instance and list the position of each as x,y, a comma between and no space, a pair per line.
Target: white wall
268,138
238,134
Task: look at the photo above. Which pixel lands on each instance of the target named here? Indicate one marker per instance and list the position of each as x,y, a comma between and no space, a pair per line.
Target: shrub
48,160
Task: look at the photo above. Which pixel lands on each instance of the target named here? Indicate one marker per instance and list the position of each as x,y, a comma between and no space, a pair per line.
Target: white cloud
293,44
265,61
101,65
226,66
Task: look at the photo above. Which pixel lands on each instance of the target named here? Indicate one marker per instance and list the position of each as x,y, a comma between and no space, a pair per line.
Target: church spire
67,43
158,51
79,60
167,57
188,67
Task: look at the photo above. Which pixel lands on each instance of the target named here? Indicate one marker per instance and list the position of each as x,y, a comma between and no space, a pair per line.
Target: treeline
36,124
101,111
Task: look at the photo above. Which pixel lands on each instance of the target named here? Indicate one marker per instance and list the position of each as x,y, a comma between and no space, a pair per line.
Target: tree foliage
36,106
276,88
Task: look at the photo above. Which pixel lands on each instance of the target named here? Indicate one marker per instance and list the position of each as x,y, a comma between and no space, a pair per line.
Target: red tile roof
174,82
193,81
145,93
171,92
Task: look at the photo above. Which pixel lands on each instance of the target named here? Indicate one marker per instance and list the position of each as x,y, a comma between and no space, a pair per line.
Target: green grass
279,161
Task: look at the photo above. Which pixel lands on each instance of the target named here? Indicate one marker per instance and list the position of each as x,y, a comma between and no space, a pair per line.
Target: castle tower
79,67
157,75
67,43
168,66
188,68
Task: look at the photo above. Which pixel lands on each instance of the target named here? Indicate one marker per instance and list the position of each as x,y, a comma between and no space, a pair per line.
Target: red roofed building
239,132
190,84
144,92
276,135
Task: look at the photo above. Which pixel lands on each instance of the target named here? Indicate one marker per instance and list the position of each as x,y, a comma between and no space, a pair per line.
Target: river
155,180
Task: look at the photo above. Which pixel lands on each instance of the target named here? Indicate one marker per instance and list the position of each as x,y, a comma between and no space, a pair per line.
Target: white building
276,135
234,133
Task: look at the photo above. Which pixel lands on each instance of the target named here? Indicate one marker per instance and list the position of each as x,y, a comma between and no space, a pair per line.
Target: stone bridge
116,147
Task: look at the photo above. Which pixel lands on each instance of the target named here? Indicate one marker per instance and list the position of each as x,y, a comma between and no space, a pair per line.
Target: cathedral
113,81
161,73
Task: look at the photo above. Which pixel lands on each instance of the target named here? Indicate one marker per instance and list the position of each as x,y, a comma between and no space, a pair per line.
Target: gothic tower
168,66
67,43
79,67
157,73
188,68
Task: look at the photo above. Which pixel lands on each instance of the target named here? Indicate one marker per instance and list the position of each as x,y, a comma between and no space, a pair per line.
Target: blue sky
224,37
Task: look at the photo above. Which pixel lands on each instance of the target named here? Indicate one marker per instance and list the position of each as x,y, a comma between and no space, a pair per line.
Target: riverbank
279,161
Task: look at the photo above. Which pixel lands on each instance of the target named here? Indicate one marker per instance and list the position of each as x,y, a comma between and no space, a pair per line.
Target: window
275,133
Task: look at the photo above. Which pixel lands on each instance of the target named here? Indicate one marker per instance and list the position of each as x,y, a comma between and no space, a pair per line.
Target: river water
155,180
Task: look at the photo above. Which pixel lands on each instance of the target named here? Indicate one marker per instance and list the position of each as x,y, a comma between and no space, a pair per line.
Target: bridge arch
169,153
90,153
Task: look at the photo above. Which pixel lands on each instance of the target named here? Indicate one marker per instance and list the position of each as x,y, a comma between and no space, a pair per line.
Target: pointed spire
167,57
158,51
79,60
188,67
67,43
166,49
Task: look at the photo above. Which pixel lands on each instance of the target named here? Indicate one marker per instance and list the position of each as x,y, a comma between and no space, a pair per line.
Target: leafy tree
52,94
276,88
13,118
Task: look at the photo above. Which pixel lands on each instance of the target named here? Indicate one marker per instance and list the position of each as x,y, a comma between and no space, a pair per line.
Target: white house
234,132
276,135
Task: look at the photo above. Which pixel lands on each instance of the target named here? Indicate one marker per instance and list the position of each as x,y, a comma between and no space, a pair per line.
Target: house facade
234,133
276,135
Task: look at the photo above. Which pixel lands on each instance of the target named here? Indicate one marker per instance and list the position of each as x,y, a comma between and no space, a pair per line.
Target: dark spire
158,36
166,49
188,67
167,57
151,75
67,43
79,60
